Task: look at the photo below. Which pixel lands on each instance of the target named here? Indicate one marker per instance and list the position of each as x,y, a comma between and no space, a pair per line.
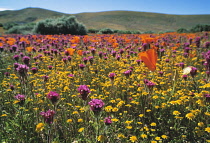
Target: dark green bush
21,29
106,31
182,30
9,25
62,25
200,28
1,25
148,32
93,30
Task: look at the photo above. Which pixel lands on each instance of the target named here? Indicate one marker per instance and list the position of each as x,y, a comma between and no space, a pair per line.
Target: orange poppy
149,57
29,49
70,51
79,52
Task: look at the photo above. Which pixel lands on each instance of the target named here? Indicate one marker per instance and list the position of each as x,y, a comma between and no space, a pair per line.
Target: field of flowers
105,88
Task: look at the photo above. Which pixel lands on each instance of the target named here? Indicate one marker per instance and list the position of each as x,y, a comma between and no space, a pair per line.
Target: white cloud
2,9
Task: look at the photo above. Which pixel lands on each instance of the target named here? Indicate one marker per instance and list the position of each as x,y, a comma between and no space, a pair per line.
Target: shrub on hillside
21,29
9,25
93,30
1,25
62,25
182,30
200,28
106,31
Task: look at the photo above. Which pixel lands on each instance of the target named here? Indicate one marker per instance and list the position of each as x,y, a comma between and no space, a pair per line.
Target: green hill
121,20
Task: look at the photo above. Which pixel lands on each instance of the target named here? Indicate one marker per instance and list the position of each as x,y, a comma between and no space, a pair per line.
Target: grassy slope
143,21
122,20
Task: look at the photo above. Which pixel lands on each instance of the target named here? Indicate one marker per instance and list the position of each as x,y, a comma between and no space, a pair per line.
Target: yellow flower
153,124
115,120
133,139
80,130
143,136
190,116
108,108
128,122
148,110
69,121
115,109
141,115
3,115
129,127
207,129
39,127
176,113
153,141
164,136
101,138
157,138
200,124
80,120
120,136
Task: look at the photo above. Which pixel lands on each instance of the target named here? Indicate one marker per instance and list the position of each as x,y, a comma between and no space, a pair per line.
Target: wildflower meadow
149,88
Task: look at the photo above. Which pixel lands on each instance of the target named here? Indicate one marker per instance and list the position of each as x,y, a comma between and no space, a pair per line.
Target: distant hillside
121,20
27,15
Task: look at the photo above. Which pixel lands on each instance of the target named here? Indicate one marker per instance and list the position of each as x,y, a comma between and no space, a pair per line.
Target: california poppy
29,49
70,51
79,52
149,57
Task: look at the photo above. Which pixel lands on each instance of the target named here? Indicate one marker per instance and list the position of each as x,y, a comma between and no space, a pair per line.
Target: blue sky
182,7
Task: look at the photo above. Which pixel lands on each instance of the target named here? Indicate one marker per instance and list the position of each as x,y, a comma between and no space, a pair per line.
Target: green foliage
21,29
9,25
106,31
62,25
93,30
148,32
1,25
182,30
200,28
166,31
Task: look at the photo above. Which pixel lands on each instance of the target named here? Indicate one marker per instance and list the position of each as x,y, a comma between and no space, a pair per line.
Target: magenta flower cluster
53,96
84,91
48,116
96,105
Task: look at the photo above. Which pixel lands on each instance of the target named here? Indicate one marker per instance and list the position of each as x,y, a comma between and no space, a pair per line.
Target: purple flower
85,60
22,69
128,73
108,120
16,57
12,87
84,91
7,74
161,73
193,71
149,84
81,66
21,98
48,116
181,65
96,105
45,77
111,76
34,70
53,96
184,77
26,60
50,67
207,96
91,59
1,49
64,60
